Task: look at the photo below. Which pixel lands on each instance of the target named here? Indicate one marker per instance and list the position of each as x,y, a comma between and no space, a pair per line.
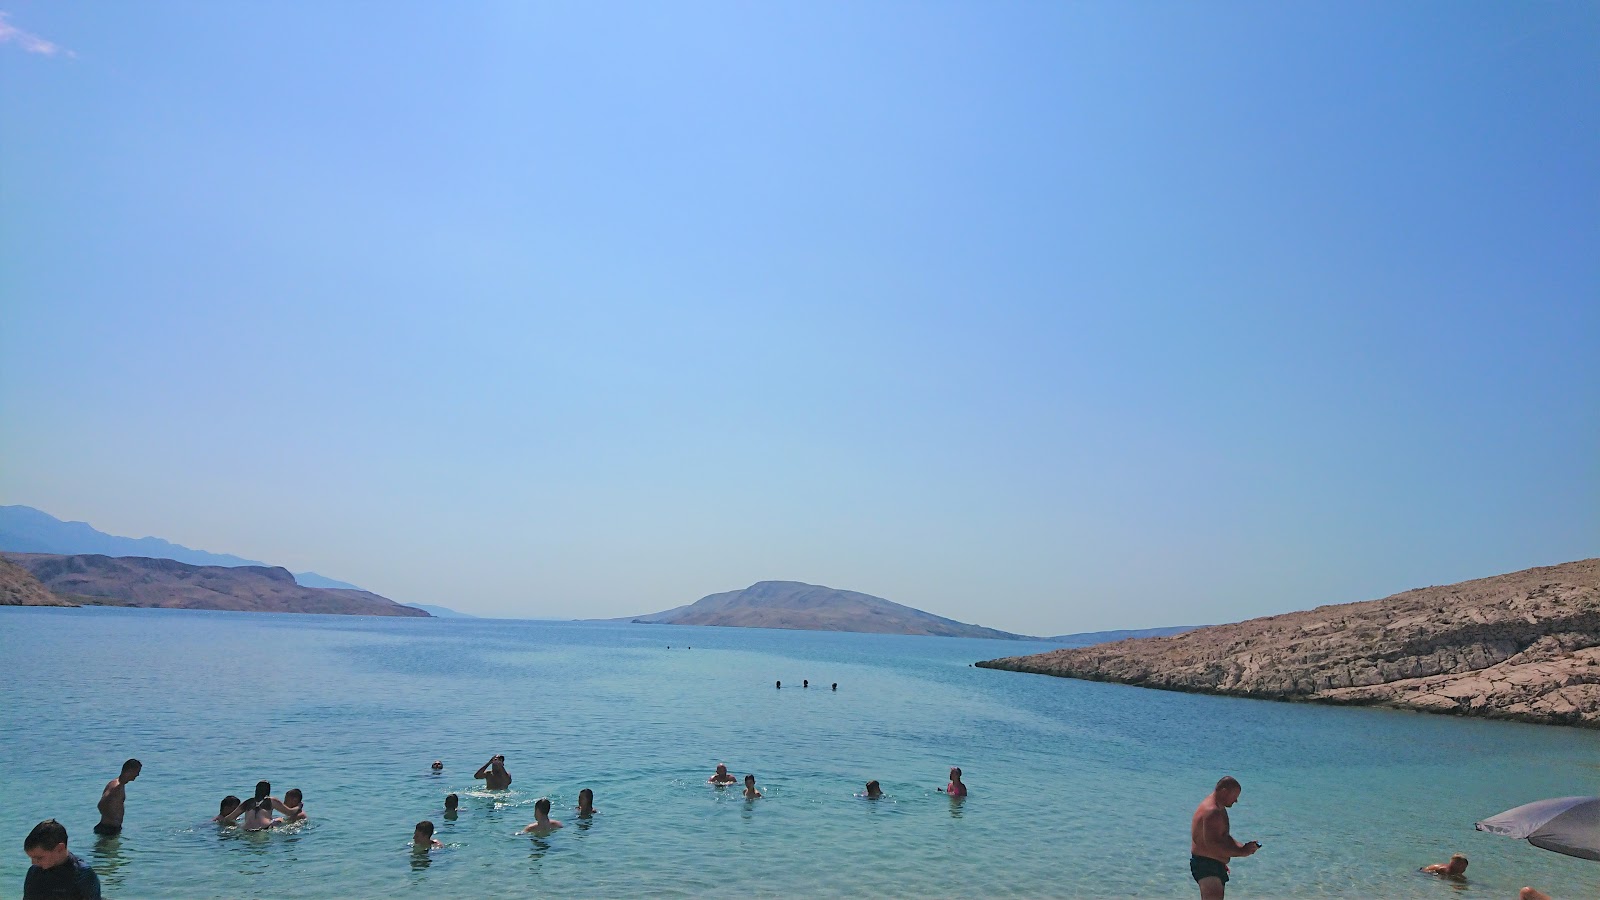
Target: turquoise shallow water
1078,789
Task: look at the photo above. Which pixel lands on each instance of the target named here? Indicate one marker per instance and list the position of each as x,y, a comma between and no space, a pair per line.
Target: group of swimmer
58,874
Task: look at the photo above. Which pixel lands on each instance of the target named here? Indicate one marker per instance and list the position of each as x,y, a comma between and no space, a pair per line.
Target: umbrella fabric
1569,825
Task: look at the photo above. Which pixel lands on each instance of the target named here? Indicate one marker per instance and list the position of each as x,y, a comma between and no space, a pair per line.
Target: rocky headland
812,607
18,587
1522,646
91,579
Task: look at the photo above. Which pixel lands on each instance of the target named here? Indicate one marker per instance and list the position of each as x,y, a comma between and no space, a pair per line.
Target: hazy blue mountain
441,612
24,529
811,607
1090,638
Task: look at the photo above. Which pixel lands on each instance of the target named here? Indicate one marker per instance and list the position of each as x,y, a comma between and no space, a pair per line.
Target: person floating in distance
542,823
778,685
1455,869
805,682
722,775
438,765
873,790
956,788
422,839
1210,843
451,804
114,799
586,804
56,872
494,774
836,685
750,792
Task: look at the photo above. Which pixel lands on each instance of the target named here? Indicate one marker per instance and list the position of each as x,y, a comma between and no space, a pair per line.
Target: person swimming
750,792
1454,870
586,804
955,788
438,765
451,804
422,839
873,790
229,804
294,806
494,773
542,823
722,776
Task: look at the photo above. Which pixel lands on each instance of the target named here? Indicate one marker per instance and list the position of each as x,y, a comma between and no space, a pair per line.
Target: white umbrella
1569,825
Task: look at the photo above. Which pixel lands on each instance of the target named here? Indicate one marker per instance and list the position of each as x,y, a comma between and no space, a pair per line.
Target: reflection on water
421,858
108,859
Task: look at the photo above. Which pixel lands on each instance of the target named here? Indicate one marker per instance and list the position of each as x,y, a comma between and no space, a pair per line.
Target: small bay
1077,789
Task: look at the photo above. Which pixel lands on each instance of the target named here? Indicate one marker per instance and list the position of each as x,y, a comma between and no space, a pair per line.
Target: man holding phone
1210,843
494,774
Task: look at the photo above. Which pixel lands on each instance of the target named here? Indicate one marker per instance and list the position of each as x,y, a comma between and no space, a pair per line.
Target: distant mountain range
24,529
98,580
810,607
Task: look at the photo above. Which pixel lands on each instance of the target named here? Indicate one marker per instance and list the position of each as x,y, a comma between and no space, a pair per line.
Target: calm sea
1077,789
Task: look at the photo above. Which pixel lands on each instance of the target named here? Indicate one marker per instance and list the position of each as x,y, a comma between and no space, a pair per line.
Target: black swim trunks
107,830
1206,867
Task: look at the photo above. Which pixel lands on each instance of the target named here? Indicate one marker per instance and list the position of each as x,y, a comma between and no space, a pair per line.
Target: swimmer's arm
228,819
483,770
278,805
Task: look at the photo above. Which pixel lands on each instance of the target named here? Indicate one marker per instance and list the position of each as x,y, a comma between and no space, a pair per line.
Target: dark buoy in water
836,685
778,684
805,682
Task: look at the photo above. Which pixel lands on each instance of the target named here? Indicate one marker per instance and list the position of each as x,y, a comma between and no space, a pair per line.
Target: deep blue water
1077,789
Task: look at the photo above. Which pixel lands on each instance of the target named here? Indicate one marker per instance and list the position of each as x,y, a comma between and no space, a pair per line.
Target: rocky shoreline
1523,646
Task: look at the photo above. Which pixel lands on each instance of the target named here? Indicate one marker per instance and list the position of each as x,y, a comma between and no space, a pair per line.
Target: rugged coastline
1523,646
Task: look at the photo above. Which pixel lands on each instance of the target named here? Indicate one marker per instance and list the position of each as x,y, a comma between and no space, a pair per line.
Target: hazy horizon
1047,318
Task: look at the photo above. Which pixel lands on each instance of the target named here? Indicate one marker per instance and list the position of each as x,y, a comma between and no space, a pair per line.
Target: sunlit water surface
1077,789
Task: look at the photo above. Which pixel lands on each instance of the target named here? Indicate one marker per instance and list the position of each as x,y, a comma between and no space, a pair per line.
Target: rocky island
811,607
94,580
1522,646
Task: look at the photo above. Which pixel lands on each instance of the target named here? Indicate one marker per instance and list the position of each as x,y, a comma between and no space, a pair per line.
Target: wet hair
229,804
955,771
263,789
873,785
586,794
1456,856
425,828
46,835
541,807
749,778
451,801
1228,782
132,764
293,794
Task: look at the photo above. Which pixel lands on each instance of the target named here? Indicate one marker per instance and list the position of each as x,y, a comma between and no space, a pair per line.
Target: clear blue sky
1048,316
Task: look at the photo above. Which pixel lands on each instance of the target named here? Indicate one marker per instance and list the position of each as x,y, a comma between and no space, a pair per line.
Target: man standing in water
1210,843
494,774
114,798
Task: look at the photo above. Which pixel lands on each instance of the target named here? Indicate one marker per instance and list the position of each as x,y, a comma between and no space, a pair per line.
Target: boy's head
293,798
451,801
424,830
46,844
542,807
229,804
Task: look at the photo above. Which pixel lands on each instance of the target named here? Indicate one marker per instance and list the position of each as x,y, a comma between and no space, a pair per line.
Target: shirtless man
542,823
1210,844
955,788
722,776
422,839
257,811
494,774
750,792
1455,869
114,798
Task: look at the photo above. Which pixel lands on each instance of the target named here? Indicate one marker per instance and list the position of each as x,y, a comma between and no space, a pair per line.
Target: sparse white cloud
31,43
